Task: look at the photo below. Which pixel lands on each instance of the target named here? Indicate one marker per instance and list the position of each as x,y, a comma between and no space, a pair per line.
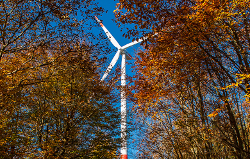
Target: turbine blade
111,65
111,38
133,43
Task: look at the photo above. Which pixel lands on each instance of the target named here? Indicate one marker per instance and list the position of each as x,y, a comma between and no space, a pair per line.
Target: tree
52,103
183,78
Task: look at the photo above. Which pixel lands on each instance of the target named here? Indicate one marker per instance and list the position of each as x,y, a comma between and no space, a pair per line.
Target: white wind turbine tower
121,51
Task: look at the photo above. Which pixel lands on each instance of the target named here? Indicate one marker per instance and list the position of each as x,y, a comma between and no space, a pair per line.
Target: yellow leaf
214,114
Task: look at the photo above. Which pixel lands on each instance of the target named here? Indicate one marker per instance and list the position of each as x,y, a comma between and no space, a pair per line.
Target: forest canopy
52,104
190,89
192,80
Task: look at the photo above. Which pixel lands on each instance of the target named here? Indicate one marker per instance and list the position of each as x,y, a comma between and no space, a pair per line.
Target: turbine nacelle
128,56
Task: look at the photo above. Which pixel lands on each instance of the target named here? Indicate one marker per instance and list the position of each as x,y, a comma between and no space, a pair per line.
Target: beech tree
186,87
52,104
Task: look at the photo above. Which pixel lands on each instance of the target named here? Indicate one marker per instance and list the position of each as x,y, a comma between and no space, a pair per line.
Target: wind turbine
125,55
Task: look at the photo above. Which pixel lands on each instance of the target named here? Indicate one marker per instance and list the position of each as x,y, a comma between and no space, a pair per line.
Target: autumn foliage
52,104
192,80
